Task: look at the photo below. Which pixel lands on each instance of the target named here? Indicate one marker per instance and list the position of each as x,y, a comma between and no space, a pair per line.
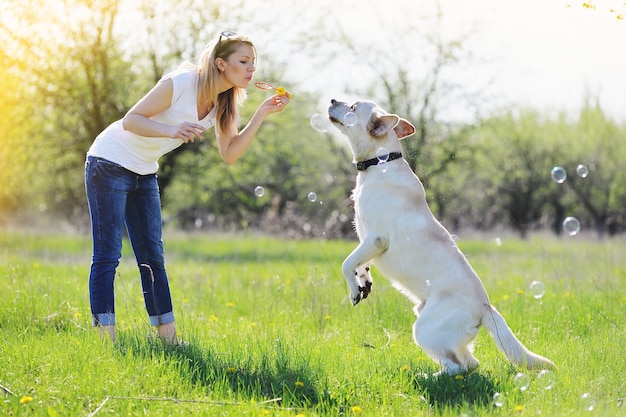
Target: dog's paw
365,280
361,292
361,287
366,289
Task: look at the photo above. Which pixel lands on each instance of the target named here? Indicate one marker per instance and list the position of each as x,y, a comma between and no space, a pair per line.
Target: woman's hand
187,132
274,104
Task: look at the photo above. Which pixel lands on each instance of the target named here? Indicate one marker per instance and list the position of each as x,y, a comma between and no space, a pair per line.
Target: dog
401,237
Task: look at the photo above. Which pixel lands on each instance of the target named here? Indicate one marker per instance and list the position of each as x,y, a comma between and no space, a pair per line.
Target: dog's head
368,127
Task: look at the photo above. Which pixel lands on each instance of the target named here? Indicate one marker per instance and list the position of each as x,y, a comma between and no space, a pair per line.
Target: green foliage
271,332
70,68
287,158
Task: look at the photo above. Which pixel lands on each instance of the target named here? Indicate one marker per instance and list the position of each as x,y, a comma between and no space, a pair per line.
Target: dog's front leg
355,268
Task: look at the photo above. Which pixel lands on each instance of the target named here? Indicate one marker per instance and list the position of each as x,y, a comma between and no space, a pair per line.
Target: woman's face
240,66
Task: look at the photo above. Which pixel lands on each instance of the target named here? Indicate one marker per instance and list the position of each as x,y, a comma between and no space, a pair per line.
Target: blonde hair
227,103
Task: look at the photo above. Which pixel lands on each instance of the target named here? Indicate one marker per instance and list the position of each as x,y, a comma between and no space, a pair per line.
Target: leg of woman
144,225
106,185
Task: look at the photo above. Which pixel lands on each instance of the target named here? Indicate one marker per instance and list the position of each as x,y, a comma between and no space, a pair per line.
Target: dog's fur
400,236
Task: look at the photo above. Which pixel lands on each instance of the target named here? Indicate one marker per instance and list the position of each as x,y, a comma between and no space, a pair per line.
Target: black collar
363,165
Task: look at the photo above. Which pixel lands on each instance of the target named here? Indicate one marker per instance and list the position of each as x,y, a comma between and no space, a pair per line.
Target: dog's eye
353,107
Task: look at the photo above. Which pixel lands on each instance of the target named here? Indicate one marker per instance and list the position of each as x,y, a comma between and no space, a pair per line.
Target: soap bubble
259,191
571,225
582,171
320,122
558,174
537,289
521,381
349,119
546,379
312,197
498,399
588,402
382,154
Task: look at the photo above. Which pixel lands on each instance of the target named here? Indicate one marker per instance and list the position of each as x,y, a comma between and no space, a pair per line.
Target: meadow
271,332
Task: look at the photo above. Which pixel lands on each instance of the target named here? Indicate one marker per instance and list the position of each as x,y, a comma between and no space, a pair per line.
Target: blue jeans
120,198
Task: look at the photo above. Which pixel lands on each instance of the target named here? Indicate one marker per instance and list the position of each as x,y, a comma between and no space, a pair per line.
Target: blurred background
501,93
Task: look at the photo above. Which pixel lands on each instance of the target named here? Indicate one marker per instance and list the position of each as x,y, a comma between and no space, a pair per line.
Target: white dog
400,236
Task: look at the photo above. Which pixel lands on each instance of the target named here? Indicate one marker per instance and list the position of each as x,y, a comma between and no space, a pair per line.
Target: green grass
272,333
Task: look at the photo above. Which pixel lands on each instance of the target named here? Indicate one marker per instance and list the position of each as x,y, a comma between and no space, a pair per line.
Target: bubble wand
279,90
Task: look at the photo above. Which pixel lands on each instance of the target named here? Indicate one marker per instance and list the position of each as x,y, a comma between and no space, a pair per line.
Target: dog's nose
333,101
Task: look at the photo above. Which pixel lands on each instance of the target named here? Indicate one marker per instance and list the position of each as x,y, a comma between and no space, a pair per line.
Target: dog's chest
383,198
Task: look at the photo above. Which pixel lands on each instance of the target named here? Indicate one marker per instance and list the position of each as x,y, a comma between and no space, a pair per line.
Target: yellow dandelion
458,377
282,92
356,409
520,291
519,408
326,317
506,297
231,370
265,412
230,304
26,399
299,384
77,315
405,368
300,415
212,318
36,265
253,324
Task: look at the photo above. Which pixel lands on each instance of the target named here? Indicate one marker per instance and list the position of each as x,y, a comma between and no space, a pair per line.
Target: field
271,332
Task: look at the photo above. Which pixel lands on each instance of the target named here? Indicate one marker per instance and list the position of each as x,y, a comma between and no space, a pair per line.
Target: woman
121,166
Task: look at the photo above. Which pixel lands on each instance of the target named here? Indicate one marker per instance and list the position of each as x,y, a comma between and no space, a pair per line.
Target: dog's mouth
336,112
333,119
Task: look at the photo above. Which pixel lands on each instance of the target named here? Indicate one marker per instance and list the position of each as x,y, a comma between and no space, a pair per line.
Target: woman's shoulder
182,73
184,82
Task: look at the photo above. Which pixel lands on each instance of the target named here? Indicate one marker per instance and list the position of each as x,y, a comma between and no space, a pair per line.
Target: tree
512,164
597,143
77,85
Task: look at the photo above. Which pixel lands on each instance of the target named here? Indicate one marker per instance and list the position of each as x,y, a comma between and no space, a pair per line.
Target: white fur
400,236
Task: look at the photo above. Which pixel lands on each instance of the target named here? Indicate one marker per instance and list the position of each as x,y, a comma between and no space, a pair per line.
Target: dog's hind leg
355,267
447,339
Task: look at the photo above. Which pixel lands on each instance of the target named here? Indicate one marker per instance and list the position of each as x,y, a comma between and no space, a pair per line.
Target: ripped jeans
120,198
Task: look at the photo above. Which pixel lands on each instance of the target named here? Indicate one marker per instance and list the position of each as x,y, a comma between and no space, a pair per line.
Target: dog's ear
380,123
404,129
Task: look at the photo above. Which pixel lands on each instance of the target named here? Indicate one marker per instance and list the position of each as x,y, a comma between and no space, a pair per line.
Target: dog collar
363,165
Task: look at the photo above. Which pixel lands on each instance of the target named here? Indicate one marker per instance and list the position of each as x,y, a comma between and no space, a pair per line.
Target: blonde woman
121,166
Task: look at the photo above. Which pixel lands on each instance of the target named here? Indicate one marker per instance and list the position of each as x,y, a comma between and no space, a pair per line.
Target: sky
548,55
544,54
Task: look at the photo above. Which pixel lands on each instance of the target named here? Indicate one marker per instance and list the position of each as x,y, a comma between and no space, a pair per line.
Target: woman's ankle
167,334
107,332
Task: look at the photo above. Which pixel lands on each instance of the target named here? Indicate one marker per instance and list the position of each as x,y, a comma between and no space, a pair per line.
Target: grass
272,333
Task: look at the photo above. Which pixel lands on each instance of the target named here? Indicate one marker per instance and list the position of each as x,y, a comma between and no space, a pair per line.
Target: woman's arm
138,121
231,148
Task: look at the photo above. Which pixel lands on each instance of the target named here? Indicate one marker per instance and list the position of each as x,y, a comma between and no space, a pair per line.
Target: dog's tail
514,350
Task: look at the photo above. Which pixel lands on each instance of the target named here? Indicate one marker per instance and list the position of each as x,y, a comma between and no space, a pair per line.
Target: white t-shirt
140,154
